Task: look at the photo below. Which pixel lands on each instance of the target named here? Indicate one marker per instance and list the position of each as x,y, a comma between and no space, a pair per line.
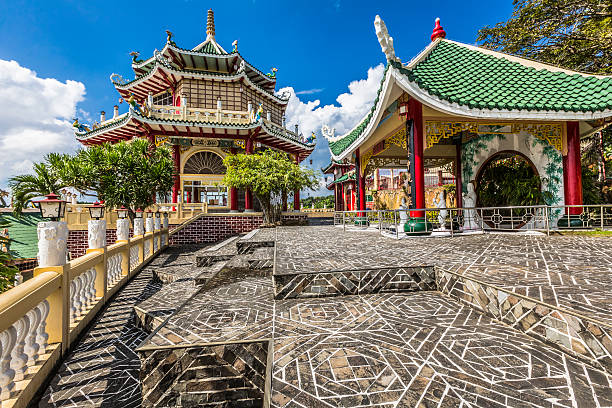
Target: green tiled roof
469,77
22,232
476,79
344,178
209,48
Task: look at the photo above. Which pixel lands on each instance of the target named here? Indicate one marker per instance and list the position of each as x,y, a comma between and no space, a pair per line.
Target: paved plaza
318,317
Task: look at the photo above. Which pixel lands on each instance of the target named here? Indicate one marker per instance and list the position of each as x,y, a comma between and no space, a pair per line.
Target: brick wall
77,241
215,228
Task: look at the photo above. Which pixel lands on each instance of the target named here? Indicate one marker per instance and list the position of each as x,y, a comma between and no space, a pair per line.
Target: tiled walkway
421,348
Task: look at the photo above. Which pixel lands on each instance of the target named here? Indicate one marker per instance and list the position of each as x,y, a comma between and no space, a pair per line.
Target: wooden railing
41,318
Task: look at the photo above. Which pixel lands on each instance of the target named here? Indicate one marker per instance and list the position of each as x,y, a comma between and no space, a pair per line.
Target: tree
270,175
128,173
574,34
7,271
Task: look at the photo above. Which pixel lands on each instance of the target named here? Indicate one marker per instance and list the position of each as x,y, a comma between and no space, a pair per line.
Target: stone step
223,251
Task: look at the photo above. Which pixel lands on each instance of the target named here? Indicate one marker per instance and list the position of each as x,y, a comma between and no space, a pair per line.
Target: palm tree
28,186
7,271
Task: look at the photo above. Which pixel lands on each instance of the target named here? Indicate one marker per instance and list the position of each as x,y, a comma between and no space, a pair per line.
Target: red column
176,156
458,182
572,171
416,113
360,182
248,195
296,193
233,192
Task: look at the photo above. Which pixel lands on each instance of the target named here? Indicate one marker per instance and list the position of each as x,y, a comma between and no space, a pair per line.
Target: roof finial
438,31
210,24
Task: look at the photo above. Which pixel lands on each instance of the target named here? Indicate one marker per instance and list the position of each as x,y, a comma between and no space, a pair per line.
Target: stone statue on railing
138,227
440,203
470,222
52,241
96,234
123,229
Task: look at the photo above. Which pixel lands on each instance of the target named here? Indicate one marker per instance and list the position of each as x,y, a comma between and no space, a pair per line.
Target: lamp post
96,227
123,224
53,234
138,223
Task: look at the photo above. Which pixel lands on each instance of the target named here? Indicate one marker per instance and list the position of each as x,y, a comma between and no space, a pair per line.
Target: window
164,98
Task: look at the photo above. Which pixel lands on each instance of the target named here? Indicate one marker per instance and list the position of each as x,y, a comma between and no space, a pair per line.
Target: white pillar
123,229
115,111
52,240
96,233
165,221
157,224
138,227
149,224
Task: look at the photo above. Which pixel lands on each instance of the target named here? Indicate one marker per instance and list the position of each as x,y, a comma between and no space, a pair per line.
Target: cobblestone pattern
307,285
207,229
228,375
577,335
103,368
234,305
419,349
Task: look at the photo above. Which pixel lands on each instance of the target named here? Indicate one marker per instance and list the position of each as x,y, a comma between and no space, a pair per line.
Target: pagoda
456,107
205,103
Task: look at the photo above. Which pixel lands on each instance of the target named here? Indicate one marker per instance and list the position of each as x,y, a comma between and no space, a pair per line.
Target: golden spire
210,24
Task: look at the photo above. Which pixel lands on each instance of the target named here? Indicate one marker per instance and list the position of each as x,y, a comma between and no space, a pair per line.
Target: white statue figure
330,134
403,214
385,40
470,223
440,203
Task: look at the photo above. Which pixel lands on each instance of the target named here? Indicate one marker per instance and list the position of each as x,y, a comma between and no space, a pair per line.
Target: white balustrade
155,244
134,261
147,248
113,269
21,345
82,293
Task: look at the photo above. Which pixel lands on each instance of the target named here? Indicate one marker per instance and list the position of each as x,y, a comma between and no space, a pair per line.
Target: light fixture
51,207
122,212
157,214
138,213
96,211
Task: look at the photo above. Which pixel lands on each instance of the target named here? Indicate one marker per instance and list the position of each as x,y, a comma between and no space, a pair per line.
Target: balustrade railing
200,115
42,317
451,221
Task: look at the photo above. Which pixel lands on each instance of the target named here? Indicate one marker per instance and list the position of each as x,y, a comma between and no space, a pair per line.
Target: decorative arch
204,162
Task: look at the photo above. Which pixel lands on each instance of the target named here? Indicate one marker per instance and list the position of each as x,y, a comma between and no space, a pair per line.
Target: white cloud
35,118
351,108
310,91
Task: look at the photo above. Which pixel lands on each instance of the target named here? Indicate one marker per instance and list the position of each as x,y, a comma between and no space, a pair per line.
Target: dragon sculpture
385,40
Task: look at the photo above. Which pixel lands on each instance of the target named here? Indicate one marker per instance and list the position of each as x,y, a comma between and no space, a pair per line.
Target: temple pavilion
205,103
454,107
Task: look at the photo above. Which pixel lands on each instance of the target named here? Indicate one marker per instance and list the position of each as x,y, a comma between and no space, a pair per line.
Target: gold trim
398,139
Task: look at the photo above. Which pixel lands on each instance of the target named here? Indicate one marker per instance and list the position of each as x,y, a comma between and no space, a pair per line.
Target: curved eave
161,77
412,89
184,58
123,128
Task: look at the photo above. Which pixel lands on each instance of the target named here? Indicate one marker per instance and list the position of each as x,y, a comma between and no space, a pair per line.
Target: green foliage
126,173
319,202
269,175
7,271
509,181
591,187
575,34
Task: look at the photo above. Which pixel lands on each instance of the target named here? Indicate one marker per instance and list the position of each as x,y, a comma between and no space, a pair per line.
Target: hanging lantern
96,211
403,109
51,207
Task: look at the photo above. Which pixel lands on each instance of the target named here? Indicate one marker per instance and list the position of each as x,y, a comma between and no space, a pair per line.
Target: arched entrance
508,179
201,176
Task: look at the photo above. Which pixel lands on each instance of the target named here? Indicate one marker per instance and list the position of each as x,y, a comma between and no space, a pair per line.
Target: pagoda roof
133,123
163,75
473,82
334,163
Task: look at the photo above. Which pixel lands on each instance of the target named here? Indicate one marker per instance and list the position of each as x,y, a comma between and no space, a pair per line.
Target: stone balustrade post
96,239
52,242
123,229
138,227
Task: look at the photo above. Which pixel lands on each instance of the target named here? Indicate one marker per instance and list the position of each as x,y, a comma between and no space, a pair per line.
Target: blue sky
319,47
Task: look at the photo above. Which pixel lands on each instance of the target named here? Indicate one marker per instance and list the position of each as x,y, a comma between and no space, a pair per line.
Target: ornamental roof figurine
385,40
438,31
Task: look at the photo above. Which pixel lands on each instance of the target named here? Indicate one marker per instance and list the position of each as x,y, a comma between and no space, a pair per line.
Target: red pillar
360,182
233,192
572,171
176,156
248,195
416,114
296,193
458,181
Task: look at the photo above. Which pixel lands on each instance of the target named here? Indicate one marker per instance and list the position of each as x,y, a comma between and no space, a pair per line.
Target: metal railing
41,318
452,221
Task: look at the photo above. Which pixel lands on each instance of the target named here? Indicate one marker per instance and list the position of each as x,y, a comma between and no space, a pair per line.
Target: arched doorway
202,174
508,179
